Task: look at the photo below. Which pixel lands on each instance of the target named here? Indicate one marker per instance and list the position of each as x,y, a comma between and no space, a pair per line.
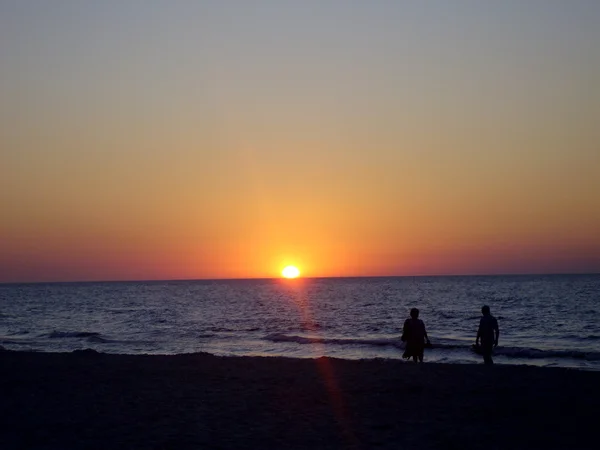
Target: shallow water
544,320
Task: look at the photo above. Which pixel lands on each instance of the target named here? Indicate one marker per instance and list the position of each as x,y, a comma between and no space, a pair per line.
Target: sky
227,139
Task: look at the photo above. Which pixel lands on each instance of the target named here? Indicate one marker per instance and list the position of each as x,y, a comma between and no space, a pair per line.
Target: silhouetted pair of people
415,336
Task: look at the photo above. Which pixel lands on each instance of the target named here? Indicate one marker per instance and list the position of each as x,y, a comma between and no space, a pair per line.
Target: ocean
544,320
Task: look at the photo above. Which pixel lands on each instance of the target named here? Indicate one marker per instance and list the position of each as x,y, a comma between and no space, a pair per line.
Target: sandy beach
90,400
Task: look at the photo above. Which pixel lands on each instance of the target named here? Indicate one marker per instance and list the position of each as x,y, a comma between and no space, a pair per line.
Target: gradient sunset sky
226,139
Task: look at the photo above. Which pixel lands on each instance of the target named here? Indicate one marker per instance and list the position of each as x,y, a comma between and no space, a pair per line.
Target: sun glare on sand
290,272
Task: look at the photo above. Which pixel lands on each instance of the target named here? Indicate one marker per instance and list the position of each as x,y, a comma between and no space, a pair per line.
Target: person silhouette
489,333
415,336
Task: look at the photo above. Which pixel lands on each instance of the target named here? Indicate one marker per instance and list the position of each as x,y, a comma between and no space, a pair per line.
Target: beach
91,400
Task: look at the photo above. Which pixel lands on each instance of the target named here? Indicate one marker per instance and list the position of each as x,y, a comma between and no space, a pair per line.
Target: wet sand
96,401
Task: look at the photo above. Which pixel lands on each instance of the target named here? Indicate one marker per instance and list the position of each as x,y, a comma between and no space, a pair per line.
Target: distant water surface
544,320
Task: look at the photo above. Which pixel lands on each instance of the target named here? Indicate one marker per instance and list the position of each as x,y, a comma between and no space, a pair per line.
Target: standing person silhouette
488,333
415,336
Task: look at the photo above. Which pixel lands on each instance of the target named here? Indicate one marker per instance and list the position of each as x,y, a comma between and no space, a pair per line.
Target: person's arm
497,330
404,337
478,334
425,333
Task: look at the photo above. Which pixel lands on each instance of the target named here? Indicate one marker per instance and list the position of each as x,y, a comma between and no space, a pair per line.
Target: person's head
485,310
414,313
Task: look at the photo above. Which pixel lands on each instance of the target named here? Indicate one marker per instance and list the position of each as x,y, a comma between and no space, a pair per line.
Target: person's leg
487,352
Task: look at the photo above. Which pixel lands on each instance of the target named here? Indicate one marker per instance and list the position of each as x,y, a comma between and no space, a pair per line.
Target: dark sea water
544,320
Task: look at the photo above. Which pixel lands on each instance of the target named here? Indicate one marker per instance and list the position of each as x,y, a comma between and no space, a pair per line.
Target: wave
217,330
511,352
470,318
7,340
279,337
93,337
221,329
447,315
71,334
18,333
98,339
535,353
122,310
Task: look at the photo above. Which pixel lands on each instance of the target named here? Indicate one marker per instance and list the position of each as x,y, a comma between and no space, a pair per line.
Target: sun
290,272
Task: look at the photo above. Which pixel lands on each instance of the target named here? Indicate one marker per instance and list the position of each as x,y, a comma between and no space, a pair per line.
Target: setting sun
290,272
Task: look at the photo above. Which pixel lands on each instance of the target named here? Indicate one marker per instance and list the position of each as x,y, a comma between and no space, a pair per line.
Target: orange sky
193,141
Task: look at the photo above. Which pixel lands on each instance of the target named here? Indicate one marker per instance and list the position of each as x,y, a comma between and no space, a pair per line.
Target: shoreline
499,358
86,399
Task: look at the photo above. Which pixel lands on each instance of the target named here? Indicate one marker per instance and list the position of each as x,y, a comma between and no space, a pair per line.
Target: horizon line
292,280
